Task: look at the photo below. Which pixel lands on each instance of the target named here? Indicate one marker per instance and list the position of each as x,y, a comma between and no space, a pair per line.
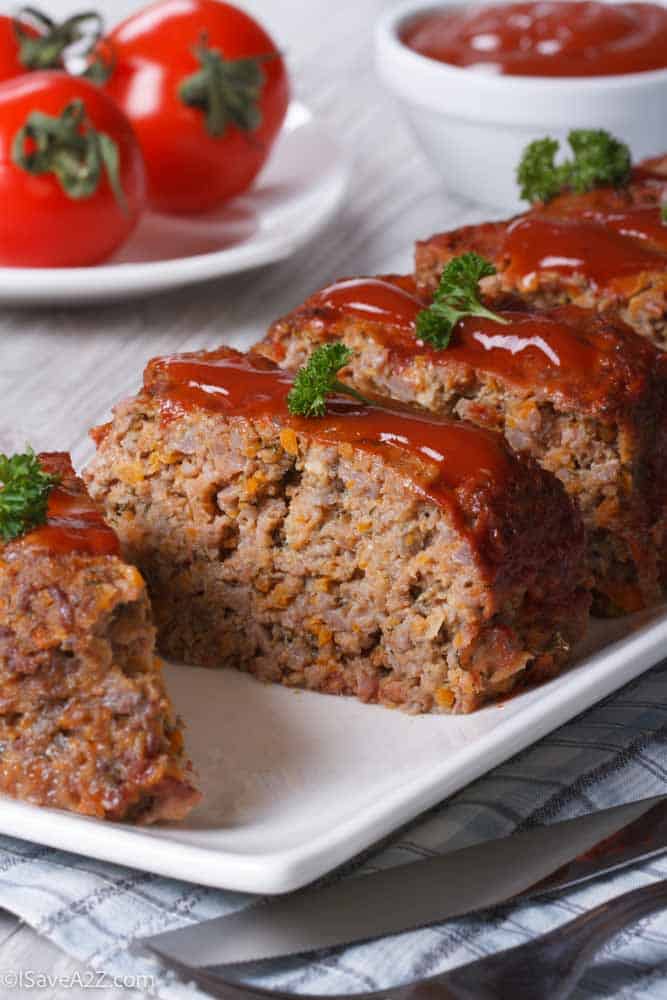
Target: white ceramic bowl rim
388,37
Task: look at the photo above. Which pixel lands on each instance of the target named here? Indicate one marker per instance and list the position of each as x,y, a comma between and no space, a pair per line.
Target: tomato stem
227,90
68,146
45,49
101,64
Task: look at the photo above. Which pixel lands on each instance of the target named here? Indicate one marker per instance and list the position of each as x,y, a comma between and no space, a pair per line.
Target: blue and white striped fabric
616,752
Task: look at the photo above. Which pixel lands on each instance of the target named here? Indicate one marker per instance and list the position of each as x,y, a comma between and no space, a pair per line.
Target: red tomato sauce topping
569,352
608,249
376,299
442,456
545,39
74,524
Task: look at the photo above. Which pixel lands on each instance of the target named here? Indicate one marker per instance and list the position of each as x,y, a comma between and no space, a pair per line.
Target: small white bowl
474,126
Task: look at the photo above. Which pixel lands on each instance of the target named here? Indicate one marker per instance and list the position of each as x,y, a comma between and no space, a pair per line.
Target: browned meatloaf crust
604,249
85,723
583,395
376,551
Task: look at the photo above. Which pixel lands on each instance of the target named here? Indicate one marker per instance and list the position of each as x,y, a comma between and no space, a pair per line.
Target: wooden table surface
60,370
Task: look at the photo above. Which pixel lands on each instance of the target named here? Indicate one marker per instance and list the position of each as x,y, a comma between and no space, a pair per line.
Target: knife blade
524,865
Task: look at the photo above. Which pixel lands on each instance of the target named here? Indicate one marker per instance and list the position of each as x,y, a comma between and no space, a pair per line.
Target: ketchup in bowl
545,39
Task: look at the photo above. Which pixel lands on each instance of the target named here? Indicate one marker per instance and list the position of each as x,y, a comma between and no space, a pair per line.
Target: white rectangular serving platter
296,783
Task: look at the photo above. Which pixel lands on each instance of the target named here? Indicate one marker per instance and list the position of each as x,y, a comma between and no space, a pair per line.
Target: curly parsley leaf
317,379
598,159
457,296
538,175
24,494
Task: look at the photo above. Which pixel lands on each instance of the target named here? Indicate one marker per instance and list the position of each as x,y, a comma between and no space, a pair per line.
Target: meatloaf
85,723
605,249
585,396
376,551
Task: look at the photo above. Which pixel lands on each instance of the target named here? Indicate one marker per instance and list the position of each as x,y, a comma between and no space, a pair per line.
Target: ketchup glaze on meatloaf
376,550
605,247
579,390
437,457
589,362
73,522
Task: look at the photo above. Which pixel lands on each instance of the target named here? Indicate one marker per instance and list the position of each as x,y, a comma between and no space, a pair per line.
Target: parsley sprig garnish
317,380
457,296
24,494
598,159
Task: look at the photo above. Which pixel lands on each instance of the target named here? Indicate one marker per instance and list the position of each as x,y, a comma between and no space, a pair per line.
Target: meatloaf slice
585,396
376,551
606,248
85,722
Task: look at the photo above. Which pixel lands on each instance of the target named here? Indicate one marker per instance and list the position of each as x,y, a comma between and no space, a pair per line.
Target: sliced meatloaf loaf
376,551
606,248
85,723
585,396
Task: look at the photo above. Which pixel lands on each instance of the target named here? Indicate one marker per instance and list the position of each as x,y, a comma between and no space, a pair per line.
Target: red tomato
42,224
10,63
178,61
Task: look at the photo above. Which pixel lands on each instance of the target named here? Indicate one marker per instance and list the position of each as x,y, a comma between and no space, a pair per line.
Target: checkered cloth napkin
614,753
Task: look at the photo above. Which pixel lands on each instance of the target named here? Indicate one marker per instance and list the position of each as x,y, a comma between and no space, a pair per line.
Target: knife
521,866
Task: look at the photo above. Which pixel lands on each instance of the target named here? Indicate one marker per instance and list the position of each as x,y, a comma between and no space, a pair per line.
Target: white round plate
294,197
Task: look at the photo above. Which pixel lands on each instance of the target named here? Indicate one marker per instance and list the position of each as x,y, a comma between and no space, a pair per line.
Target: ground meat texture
605,249
585,396
85,722
318,554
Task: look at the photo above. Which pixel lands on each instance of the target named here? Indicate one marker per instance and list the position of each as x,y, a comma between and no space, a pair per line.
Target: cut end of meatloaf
375,551
584,395
603,249
85,721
